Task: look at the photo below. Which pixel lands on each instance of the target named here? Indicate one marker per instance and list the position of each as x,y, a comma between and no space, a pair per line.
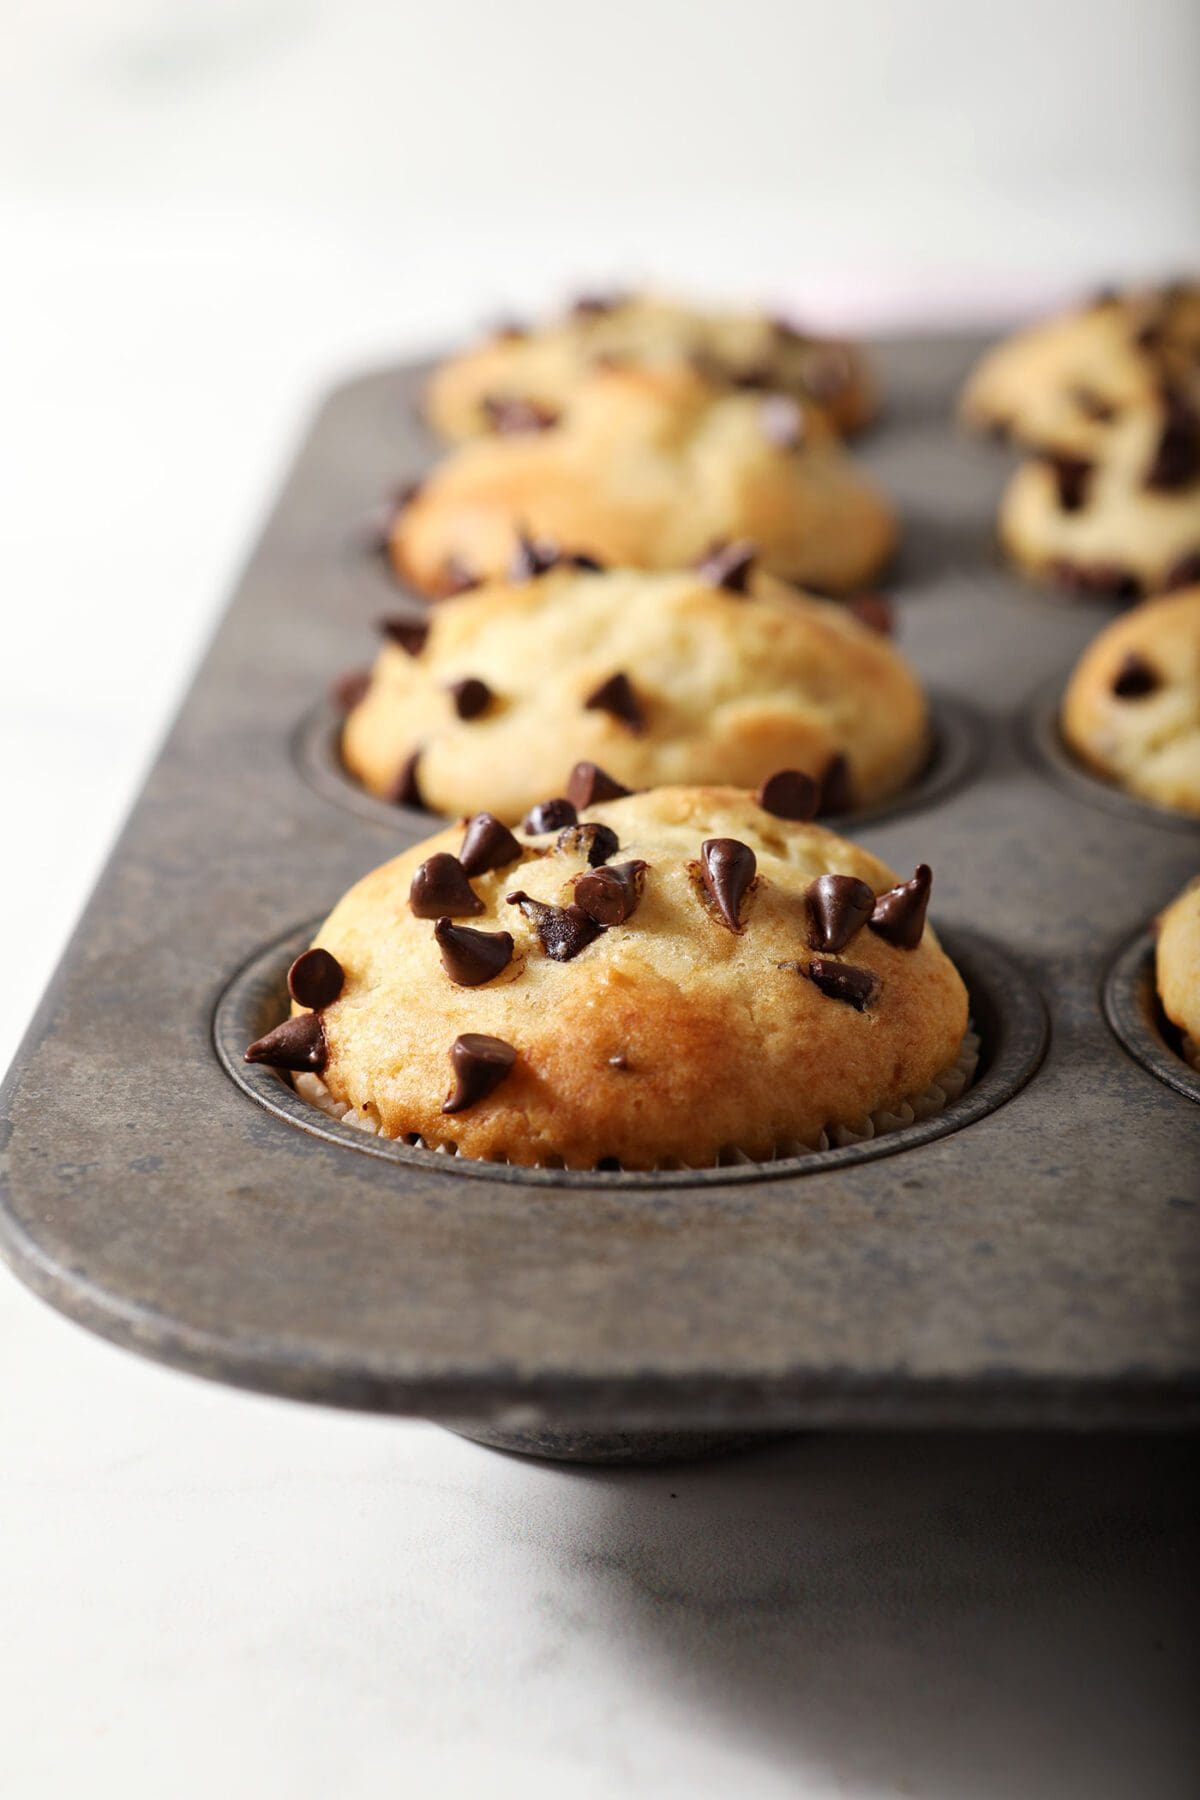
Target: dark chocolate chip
563,931
470,696
1072,477
512,414
728,566
588,784
783,421
440,889
1135,678
315,978
616,696
589,564
1184,573
837,793
838,906
1093,405
406,789
487,844
593,841
899,915
595,306
1176,461
1149,336
727,867
789,794
874,610
480,1064
1101,581
532,557
457,577
349,689
410,634
843,981
610,895
297,1044
548,815
619,1061
472,957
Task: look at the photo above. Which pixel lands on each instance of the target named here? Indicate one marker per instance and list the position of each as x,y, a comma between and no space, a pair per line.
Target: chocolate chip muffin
1065,383
716,674
519,375
1177,967
1122,523
647,470
676,978
1131,711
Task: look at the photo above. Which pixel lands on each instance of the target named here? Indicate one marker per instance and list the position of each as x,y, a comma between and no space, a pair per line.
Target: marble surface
207,212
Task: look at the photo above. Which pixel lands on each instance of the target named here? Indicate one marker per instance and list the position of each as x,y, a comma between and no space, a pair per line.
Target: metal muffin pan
1031,1260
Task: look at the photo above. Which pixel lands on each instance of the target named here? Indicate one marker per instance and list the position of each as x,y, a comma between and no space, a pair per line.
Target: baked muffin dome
1177,966
647,470
1123,523
1131,711
682,973
516,371
1065,382
659,678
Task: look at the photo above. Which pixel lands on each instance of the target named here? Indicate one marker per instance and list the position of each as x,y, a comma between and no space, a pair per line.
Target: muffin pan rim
1133,1011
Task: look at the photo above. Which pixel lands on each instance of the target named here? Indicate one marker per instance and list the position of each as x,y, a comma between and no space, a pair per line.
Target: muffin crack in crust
667,1037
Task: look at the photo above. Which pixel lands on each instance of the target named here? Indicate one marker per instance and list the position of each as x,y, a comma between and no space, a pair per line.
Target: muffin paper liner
947,1085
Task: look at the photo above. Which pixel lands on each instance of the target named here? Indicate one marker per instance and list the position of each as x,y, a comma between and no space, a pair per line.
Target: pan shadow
993,1615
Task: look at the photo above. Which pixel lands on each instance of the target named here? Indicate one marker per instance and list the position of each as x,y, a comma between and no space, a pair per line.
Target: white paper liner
946,1086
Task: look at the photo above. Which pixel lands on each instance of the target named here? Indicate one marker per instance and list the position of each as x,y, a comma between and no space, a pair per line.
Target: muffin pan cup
1029,1257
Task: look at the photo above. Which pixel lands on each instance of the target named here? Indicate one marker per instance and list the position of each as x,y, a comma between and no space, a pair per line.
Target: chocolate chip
1135,678
548,815
440,888
789,794
563,931
843,981
593,841
298,1044
1093,405
472,957
349,689
487,844
610,895
619,1061
480,1064
512,414
457,577
617,697
728,566
532,557
899,915
782,421
1176,461
410,634
470,696
1184,573
595,306
405,789
838,906
727,867
1101,581
837,793
1072,476
315,978
588,784
1149,336
875,611
590,565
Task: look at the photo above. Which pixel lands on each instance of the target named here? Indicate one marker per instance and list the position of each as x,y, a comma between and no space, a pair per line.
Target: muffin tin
1029,1256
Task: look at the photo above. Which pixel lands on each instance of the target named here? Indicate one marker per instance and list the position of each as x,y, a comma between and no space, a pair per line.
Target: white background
208,210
